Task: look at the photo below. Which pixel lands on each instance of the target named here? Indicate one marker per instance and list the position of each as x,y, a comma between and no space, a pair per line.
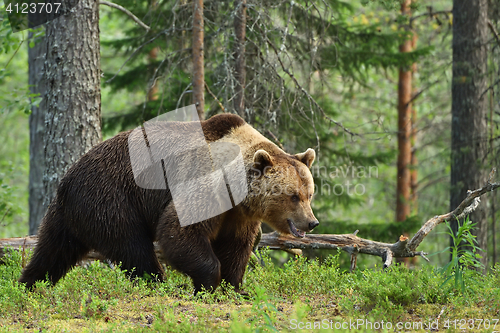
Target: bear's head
283,187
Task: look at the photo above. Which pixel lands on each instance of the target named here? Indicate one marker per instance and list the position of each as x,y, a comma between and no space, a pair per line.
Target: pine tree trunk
240,24
404,131
72,75
413,140
413,165
198,57
36,59
152,56
469,106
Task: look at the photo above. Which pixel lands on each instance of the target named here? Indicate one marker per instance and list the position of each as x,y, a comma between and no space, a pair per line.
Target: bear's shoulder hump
221,125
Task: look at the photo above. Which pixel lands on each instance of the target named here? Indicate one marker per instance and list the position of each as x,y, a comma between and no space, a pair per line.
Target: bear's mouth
296,232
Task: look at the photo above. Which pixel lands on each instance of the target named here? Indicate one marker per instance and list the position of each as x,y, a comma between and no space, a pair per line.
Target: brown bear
98,206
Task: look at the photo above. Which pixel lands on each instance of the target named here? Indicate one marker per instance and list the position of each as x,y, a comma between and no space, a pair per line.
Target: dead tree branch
302,89
126,11
494,32
353,244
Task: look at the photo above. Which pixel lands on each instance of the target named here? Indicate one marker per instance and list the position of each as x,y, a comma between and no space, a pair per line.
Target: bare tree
152,56
198,58
404,130
413,139
240,23
469,105
73,95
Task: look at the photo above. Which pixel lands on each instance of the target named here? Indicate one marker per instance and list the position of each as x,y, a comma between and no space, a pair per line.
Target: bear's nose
313,225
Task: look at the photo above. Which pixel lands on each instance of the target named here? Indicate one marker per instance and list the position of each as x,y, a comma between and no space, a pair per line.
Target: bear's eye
295,198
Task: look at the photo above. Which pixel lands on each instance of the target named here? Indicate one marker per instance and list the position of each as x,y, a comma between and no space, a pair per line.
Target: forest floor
302,295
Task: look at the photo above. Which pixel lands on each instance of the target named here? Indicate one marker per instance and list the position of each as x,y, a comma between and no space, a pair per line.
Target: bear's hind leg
57,251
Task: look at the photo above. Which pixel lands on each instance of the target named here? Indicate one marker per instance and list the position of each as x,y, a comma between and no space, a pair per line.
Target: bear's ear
261,160
307,157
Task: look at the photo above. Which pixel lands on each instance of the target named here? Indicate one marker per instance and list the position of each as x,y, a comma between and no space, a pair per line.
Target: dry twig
126,11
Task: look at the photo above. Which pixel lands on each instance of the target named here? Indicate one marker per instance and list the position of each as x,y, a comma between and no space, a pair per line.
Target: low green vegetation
300,294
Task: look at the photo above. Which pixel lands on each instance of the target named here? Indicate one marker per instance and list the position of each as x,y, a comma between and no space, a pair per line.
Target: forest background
307,63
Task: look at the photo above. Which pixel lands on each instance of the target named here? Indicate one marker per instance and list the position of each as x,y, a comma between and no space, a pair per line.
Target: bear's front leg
188,249
193,256
233,248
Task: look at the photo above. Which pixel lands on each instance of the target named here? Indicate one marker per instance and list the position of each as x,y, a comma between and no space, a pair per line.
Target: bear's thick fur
98,206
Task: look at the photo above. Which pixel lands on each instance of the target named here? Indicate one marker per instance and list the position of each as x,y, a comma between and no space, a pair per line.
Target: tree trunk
72,73
404,131
413,140
240,24
152,56
468,110
36,59
198,56
494,16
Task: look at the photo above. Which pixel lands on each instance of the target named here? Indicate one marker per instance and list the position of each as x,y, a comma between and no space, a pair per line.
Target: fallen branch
26,244
349,243
353,244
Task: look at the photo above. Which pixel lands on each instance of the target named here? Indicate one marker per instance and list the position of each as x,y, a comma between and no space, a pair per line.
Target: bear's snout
313,225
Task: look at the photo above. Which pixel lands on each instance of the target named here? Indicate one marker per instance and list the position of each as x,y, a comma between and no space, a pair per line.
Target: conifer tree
292,51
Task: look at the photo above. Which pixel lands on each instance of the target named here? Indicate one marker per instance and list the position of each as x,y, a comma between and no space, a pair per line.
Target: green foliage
101,297
6,199
320,41
264,315
17,97
464,256
288,281
299,34
15,105
388,292
13,174
8,41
